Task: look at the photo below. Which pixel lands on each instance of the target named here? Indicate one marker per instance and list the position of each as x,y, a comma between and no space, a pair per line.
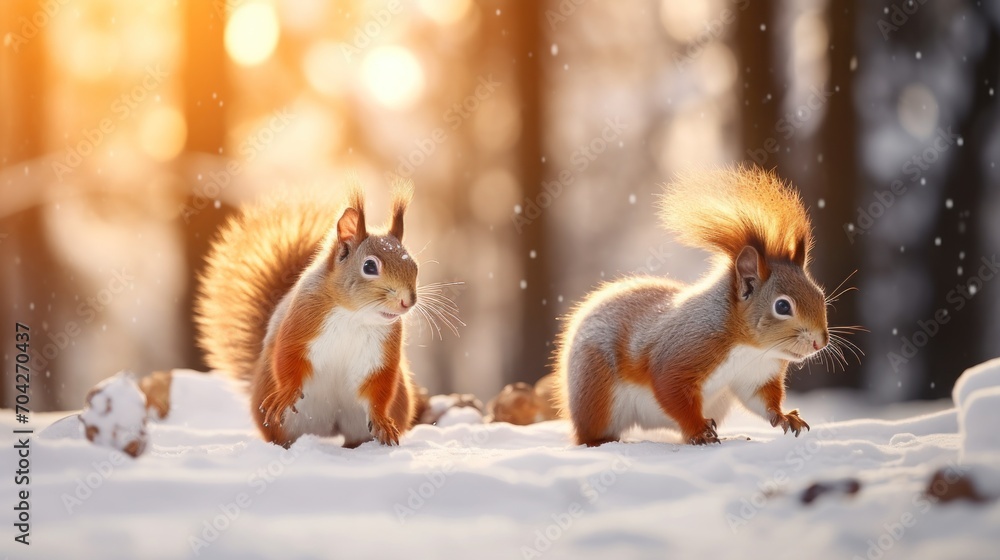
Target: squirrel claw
707,435
384,430
273,408
789,421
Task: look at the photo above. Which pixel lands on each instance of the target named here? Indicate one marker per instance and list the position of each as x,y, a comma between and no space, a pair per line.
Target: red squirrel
655,353
312,315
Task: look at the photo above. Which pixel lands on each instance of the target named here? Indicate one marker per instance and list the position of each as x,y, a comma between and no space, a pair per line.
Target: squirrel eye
370,267
783,307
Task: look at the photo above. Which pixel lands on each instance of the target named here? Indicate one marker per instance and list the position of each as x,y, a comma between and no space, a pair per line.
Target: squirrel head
781,304
371,271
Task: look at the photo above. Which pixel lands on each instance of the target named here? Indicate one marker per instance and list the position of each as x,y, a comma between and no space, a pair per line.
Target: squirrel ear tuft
402,193
748,272
351,226
799,254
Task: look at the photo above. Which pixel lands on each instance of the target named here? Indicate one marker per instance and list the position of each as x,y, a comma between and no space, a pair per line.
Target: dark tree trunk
26,257
205,86
836,182
537,327
959,228
762,90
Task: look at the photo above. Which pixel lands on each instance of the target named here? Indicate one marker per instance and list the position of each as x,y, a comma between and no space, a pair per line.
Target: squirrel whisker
835,294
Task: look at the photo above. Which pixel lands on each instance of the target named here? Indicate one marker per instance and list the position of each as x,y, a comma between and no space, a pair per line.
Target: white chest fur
743,371
344,354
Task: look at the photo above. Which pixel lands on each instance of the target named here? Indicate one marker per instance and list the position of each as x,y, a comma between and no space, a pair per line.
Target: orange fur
728,209
759,230
262,256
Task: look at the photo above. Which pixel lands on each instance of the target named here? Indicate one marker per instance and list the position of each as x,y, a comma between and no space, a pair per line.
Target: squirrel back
256,259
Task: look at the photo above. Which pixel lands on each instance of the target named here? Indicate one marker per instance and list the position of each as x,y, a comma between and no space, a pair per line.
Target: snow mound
115,415
984,375
979,424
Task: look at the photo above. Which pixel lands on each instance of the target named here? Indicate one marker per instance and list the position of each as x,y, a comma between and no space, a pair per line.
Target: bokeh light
162,133
394,76
444,12
252,34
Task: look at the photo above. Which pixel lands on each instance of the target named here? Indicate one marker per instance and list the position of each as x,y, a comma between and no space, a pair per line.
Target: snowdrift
857,486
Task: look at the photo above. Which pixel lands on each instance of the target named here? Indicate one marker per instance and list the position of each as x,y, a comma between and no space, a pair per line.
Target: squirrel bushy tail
255,261
726,210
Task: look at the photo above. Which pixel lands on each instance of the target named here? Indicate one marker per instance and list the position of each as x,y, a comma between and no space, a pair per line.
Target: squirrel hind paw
385,431
707,435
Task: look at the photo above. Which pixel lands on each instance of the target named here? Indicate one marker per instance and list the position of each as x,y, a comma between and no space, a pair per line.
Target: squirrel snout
407,299
822,340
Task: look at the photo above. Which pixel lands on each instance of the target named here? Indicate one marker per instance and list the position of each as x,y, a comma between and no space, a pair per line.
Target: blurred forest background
538,135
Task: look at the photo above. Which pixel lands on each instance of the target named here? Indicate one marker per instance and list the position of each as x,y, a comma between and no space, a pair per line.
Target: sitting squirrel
655,353
311,316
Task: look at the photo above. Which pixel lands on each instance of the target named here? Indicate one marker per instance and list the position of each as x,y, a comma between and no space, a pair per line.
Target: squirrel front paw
275,404
788,421
706,434
384,430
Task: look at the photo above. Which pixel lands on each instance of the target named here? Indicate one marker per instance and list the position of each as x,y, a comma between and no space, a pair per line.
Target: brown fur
254,261
262,256
667,338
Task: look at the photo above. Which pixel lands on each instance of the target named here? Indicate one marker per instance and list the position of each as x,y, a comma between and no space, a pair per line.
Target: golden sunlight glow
162,133
325,68
394,76
687,21
444,12
252,33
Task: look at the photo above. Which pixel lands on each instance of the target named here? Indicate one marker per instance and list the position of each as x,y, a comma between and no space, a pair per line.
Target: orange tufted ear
402,193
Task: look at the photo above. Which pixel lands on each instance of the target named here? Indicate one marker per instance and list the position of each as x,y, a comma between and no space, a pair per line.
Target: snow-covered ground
208,487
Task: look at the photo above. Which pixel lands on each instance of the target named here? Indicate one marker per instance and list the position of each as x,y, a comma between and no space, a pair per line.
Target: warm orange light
162,133
394,76
325,68
252,33
444,12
